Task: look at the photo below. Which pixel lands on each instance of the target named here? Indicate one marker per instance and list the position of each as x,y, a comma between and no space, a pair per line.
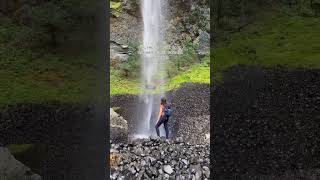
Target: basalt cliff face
184,21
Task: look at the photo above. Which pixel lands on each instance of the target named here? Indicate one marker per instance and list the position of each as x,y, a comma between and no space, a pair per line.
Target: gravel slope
267,123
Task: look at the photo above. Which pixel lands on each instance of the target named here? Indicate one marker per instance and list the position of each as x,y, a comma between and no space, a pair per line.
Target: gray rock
138,151
114,175
140,175
118,127
203,40
185,161
206,171
127,28
11,169
167,169
153,161
143,163
132,170
160,163
152,172
198,175
118,54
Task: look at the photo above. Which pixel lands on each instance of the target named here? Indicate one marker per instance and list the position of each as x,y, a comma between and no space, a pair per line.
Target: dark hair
163,100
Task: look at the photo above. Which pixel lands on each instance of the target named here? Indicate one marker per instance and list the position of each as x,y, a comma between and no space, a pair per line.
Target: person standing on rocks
162,118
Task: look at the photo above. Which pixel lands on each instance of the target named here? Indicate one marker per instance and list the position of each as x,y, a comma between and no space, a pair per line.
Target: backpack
167,110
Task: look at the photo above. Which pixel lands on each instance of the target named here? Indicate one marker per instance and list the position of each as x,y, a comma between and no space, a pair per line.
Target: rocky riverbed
157,158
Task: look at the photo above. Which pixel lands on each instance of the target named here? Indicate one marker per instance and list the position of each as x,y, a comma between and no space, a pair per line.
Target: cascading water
153,64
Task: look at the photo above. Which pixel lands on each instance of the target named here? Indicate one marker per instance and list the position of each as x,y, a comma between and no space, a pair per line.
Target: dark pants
163,120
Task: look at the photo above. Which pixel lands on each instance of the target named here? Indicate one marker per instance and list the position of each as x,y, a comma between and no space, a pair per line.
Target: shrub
131,67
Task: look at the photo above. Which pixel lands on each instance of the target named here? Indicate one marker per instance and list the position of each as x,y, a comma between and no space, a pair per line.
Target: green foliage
115,5
115,8
181,62
120,85
133,48
290,41
19,148
15,35
131,67
28,76
230,15
54,24
199,73
189,71
31,72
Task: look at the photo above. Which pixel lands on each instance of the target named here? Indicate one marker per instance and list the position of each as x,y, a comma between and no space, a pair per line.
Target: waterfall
153,64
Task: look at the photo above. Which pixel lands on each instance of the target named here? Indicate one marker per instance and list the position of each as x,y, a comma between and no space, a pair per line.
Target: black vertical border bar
105,82
212,157
103,28
96,141
107,60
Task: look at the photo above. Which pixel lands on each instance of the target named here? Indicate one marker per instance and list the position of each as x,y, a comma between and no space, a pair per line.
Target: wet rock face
118,54
126,29
203,41
118,127
161,159
181,17
11,169
267,121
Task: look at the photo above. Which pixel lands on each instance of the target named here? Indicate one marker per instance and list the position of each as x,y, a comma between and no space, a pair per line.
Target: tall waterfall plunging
153,64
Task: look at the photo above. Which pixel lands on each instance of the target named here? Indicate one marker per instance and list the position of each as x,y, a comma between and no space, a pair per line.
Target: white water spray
153,64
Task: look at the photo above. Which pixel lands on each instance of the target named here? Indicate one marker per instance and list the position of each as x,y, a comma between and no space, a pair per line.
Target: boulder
118,54
118,127
11,169
203,40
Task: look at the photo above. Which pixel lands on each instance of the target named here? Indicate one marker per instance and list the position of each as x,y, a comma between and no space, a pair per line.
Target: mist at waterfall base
153,64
